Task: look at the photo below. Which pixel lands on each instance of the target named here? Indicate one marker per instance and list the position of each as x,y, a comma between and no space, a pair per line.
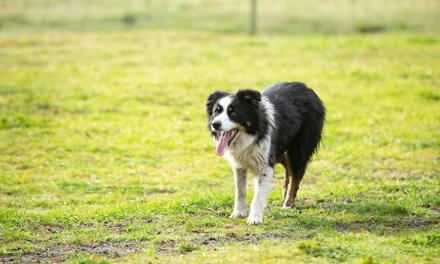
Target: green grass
227,16
105,156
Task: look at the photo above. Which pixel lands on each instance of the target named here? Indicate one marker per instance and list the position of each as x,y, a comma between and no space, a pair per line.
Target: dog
256,130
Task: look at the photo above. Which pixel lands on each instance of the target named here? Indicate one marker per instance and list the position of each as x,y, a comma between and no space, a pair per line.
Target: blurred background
227,16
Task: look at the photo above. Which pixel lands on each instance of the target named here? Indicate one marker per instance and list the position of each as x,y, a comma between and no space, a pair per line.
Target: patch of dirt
419,224
117,228
310,203
111,226
49,228
437,209
59,252
169,247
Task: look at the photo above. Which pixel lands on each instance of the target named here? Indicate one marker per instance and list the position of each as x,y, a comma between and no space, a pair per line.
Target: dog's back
299,119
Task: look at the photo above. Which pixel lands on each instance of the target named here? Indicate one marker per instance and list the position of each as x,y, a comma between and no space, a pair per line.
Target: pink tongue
223,145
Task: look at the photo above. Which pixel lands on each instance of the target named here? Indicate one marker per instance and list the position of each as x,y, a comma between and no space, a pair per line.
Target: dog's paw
238,214
254,220
287,207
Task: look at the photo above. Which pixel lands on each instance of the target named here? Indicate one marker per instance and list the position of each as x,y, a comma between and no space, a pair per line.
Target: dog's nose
216,125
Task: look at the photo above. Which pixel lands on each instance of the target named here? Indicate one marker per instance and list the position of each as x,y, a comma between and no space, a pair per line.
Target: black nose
216,125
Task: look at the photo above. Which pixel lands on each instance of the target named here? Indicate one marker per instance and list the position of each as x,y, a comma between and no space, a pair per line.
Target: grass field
105,156
226,16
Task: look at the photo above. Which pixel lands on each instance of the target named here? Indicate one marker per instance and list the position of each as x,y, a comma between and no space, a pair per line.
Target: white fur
262,183
240,193
223,117
245,153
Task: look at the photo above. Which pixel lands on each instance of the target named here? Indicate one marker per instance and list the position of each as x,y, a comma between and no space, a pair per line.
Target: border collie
254,131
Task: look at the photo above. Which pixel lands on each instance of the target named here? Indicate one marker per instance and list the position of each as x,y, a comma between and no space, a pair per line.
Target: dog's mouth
226,138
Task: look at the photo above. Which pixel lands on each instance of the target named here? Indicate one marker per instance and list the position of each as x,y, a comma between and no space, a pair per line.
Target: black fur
299,120
281,124
300,117
211,102
249,96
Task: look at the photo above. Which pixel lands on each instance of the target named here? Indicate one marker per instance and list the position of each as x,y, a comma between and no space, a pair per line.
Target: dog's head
230,114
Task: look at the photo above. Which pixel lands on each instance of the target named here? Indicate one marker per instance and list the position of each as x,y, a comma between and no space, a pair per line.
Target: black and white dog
255,131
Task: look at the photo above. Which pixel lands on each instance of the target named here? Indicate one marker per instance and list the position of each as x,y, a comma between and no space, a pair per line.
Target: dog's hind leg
292,188
294,174
284,162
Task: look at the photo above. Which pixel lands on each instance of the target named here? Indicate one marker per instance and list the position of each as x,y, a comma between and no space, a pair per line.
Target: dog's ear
212,99
249,96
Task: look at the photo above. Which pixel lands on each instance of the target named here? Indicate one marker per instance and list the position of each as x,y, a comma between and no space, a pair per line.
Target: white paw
254,220
238,214
285,207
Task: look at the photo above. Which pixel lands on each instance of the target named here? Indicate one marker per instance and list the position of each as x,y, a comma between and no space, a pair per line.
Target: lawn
105,155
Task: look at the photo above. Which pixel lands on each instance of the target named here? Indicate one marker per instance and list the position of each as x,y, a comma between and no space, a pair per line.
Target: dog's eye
218,110
233,113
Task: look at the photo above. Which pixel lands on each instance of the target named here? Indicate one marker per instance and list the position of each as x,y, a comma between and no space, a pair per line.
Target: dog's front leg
240,193
261,191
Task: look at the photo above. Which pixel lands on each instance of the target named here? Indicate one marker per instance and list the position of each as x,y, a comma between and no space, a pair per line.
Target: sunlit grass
104,148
